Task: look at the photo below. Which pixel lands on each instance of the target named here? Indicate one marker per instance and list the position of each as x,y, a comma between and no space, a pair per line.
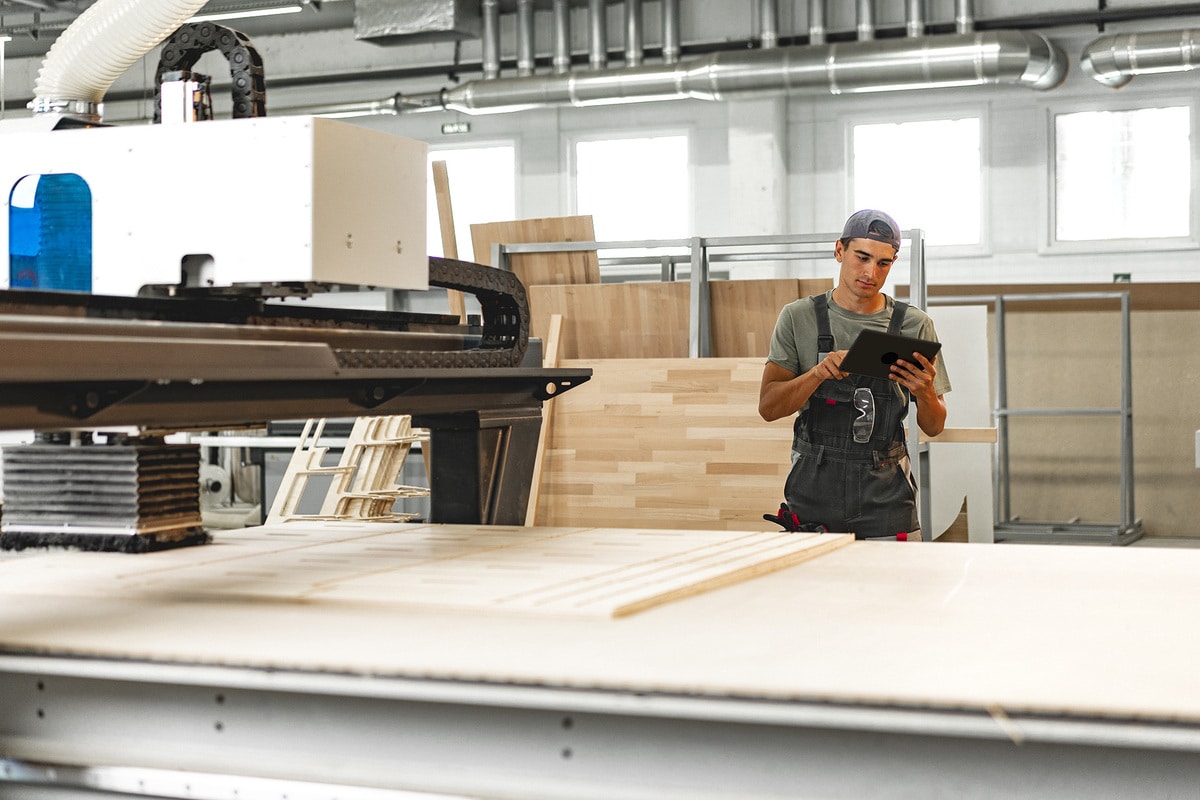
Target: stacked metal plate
126,495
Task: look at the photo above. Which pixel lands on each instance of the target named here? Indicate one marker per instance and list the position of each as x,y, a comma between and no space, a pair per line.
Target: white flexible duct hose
107,39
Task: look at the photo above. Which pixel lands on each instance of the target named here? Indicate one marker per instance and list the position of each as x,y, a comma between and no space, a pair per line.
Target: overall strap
898,309
825,343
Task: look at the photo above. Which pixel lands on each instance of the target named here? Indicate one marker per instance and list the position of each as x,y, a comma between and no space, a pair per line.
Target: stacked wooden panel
665,443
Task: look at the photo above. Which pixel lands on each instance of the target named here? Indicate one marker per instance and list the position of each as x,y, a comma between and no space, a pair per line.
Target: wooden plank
595,572
617,320
441,187
535,269
744,312
681,438
549,360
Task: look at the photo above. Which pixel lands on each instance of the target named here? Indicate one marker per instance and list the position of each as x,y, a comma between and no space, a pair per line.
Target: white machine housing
268,199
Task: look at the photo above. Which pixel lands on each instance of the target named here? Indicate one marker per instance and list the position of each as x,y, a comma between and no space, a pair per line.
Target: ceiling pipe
633,33
914,19
866,20
1015,58
597,34
1114,60
491,39
525,39
671,48
964,16
816,21
768,24
562,37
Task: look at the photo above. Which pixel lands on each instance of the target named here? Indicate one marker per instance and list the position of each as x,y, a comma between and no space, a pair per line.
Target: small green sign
456,127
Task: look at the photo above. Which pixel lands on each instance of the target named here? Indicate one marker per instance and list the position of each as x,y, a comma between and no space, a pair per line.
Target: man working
850,467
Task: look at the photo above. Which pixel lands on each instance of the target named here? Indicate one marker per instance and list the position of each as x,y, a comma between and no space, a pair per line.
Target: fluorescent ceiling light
247,13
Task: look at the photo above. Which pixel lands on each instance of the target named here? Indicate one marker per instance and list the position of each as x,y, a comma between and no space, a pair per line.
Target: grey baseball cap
872,224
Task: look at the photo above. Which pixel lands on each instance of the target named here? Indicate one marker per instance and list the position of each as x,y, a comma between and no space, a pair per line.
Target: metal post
964,16
1127,508
562,36
525,38
918,295
491,39
866,20
699,326
768,23
597,34
816,21
1000,474
3,40
915,18
671,48
633,33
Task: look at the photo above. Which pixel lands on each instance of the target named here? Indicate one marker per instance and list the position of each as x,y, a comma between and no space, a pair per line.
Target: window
483,188
926,174
1122,174
50,233
634,188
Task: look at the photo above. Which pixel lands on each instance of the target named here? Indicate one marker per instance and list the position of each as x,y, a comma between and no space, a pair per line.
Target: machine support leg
481,465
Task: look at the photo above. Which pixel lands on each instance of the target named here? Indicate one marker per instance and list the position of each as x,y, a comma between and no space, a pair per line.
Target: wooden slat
550,359
441,187
535,269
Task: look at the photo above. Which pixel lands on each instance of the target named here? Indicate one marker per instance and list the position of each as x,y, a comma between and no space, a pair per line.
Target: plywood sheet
744,312
557,571
541,268
665,443
614,320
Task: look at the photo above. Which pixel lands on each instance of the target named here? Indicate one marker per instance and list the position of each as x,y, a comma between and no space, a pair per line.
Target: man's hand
931,408
830,367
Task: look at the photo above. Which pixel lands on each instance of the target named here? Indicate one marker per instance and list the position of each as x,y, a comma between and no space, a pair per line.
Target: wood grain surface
665,443
535,269
489,569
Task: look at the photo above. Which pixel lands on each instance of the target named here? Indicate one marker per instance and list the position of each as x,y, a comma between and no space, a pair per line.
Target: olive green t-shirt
794,342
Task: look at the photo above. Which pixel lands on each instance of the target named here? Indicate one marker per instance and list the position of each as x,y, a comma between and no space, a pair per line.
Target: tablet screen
874,352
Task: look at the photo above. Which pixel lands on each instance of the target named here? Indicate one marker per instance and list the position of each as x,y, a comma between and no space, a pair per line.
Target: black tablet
874,352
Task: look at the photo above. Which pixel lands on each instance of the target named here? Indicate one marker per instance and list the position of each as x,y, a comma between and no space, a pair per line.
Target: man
850,467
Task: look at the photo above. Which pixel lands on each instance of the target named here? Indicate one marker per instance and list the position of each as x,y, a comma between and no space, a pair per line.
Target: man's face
865,266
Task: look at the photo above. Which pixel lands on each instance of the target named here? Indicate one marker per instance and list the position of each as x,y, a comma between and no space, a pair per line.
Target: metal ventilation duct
1016,58
1114,60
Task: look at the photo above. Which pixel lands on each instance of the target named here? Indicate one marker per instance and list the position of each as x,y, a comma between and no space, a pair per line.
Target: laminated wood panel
650,320
535,269
665,443
744,312
614,320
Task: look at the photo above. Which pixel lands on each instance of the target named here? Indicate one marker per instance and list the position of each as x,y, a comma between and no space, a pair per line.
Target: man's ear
838,250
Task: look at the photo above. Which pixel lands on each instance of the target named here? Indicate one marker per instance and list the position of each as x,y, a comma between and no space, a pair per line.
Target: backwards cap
872,224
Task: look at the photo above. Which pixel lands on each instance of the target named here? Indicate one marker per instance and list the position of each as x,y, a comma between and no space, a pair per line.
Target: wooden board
744,312
541,268
614,320
665,443
651,320
441,187
589,571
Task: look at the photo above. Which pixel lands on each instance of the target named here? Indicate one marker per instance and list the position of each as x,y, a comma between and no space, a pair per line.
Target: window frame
1049,244
887,115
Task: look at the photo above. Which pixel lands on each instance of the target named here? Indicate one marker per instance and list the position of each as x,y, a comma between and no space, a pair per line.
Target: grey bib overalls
847,486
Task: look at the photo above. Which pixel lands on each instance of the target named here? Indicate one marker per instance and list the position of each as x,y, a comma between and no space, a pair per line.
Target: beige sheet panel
593,572
665,443
1006,629
541,268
